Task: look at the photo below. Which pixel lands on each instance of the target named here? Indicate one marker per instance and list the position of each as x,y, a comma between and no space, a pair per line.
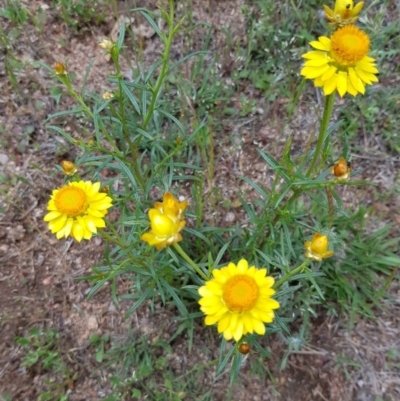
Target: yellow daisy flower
238,298
341,62
77,210
343,13
317,248
166,221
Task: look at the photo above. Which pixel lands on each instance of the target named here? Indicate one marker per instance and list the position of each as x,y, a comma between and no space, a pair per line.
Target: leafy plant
42,353
79,13
155,134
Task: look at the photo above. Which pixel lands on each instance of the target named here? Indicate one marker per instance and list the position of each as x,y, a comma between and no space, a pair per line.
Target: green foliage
80,13
157,134
14,12
140,365
272,56
99,343
42,354
42,350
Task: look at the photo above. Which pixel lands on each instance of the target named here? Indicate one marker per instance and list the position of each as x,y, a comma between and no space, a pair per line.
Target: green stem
292,273
111,239
87,110
132,147
190,261
164,66
328,108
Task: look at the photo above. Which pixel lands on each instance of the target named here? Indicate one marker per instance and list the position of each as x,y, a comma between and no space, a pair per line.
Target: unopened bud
59,68
244,348
106,44
68,167
341,169
107,95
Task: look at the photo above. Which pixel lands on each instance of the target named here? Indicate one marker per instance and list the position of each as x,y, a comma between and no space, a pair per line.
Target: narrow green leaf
130,96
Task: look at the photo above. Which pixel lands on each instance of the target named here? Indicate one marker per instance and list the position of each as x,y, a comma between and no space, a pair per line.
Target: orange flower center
349,45
240,293
71,200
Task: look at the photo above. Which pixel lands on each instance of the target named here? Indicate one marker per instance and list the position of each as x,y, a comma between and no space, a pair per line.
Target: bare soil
38,275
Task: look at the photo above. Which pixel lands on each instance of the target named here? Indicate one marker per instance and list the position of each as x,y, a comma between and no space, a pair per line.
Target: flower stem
190,261
328,108
112,239
164,66
289,275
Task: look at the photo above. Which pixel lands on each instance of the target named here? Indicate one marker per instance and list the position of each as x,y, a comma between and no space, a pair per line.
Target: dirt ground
38,274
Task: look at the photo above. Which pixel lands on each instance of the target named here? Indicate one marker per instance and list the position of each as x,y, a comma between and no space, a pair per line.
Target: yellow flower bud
106,44
60,69
107,95
341,170
244,348
317,248
68,167
166,221
343,13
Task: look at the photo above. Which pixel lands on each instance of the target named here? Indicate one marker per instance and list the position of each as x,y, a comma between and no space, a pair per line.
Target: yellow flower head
341,170
343,13
341,62
238,298
68,167
317,248
77,209
166,221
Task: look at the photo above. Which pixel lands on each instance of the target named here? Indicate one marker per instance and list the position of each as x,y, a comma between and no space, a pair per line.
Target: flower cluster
166,222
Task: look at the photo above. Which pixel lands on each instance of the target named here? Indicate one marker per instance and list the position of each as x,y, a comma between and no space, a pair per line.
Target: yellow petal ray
228,334
224,323
350,88
356,81
314,54
211,319
364,76
214,287
259,327
316,44
238,333
248,322
330,85
342,83
203,291
242,266
77,231
313,72
328,74
367,67
316,62
57,224
52,216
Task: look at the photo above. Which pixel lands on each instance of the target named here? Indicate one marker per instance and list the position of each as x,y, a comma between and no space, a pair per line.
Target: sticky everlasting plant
246,280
